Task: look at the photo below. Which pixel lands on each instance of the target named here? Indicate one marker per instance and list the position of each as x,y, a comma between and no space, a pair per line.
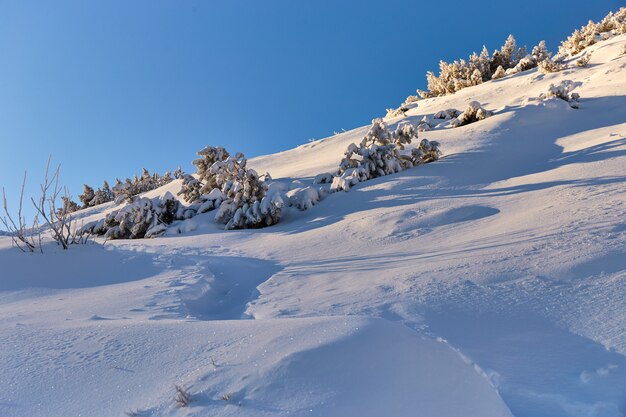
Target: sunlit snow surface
489,283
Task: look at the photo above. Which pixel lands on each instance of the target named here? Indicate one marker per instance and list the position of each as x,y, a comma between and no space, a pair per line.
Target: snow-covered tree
190,189
178,173
379,153
87,195
68,206
124,191
540,52
102,195
499,73
509,52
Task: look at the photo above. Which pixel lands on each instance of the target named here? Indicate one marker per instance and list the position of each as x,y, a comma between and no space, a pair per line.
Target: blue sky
107,88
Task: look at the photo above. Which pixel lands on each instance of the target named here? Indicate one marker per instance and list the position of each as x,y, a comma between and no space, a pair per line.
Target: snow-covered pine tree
540,52
102,195
190,189
87,195
178,173
500,72
427,151
123,191
68,206
509,52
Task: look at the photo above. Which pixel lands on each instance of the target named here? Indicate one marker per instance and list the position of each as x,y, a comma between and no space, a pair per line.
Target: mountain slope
488,283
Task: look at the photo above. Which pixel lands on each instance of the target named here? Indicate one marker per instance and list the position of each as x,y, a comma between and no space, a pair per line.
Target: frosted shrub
473,113
500,72
563,92
509,59
399,112
583,61
551,65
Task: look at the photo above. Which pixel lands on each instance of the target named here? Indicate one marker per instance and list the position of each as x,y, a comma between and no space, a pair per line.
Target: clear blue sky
109,87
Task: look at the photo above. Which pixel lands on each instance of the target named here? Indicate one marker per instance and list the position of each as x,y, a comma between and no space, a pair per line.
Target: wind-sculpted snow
489,283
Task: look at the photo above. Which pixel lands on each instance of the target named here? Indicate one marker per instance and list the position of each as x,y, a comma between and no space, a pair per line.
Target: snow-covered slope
489,283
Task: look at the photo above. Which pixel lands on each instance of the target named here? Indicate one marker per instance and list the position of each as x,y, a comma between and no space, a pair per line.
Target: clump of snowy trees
224,183
144,217
380,153
125,191
507,60
612,25
563,92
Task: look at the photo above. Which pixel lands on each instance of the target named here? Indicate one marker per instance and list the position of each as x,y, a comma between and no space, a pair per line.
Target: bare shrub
59,221
550,65
27,239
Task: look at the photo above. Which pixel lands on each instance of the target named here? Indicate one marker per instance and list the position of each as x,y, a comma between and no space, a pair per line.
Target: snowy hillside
489,283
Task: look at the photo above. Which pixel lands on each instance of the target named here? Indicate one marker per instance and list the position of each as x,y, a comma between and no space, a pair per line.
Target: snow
488,283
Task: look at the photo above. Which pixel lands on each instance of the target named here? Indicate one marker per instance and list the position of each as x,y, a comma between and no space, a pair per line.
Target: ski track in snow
497,272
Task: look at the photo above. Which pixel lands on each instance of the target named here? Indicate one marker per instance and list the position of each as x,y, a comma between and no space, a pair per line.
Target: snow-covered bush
473,113
325,178
238,194
379,154
447,114
425,124
612,25
427,151
303,198
563,92
622,51
144,217
551,65
583,61
399,112
500,72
